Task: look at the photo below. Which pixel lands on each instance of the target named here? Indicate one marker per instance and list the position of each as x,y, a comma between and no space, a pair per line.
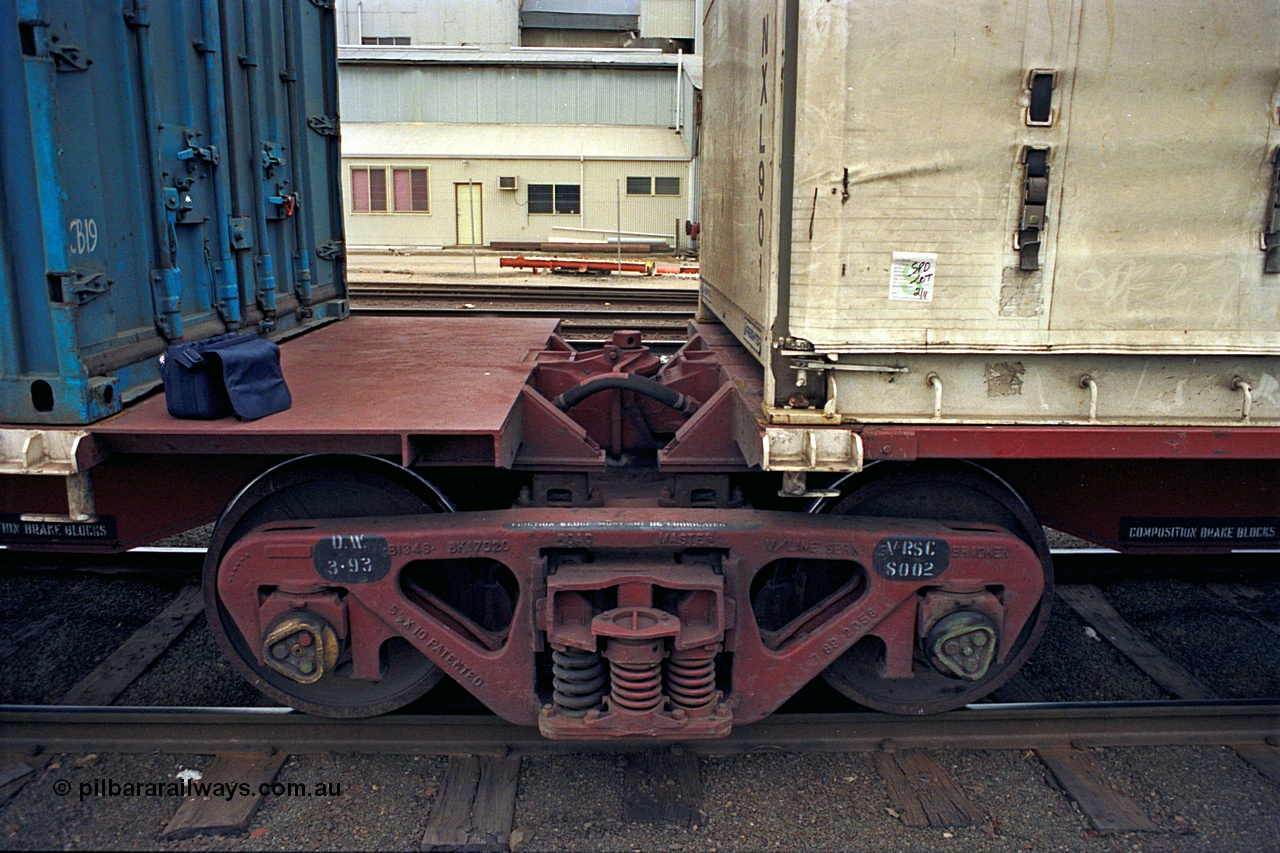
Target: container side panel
740,144
1168,176
1011,175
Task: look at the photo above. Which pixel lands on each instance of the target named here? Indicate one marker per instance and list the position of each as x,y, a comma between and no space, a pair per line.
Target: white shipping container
997,210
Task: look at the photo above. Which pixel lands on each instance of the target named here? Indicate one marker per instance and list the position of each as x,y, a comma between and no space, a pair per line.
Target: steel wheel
323,487
955,492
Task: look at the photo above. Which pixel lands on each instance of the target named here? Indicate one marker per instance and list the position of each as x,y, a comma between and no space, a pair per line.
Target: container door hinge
68,57
323,125
323,4
166,291
1271,237
77,287
331,250
1035,201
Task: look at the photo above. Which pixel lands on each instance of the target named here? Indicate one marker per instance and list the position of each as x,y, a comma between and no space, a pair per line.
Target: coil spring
635,687
577,681
691,677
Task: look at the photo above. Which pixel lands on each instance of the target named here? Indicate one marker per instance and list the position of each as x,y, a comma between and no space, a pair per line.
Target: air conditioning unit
508,182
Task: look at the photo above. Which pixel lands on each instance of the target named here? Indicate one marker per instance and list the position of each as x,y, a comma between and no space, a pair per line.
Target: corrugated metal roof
508,142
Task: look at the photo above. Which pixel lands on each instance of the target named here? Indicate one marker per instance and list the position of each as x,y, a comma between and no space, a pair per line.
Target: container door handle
1035,200
1271,237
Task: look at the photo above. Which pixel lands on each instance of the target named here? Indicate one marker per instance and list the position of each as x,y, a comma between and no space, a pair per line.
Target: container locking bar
1035,199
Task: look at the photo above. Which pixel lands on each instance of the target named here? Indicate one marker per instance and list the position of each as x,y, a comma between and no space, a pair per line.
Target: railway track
1043,725
586,311
576,323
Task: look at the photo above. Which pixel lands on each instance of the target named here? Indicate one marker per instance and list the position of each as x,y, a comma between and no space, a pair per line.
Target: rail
62,729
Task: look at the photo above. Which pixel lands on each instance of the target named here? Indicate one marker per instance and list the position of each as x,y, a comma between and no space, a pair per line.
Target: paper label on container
911,276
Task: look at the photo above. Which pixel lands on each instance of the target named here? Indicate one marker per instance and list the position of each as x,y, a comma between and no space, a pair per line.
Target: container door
470,213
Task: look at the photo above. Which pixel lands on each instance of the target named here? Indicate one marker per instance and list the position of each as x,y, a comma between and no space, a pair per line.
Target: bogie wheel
313,487
952,492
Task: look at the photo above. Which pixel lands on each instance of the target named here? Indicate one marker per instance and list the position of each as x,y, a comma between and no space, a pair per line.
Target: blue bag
229,374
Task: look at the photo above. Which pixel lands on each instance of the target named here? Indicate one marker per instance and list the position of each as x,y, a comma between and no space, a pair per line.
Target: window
384,40
645,185
408,190
410,187
666,186
555,198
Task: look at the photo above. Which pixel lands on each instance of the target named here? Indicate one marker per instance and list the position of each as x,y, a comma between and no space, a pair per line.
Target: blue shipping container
168,172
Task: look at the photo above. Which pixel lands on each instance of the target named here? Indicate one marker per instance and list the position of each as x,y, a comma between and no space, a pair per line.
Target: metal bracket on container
795,485
323,4
820,448
78,287
1238,383
817,364
272,156
138,16
1035,200
241,233
331,250
68,57
40,451
193,152
323,125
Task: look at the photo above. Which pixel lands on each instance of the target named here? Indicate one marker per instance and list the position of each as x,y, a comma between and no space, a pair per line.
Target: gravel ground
1070,665
1202,632
1199,799
81,620
193,672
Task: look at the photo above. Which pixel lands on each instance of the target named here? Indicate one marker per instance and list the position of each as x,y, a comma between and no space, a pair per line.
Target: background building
502,122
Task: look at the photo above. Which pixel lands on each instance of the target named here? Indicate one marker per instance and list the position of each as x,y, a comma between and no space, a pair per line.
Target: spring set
691,677
635,686
578,681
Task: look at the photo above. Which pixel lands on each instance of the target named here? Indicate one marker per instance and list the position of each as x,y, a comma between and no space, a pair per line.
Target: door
470,207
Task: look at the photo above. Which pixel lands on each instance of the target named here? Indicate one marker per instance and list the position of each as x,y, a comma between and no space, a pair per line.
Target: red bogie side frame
674,581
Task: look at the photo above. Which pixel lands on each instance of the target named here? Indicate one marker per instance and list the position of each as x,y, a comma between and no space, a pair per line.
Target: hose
628,382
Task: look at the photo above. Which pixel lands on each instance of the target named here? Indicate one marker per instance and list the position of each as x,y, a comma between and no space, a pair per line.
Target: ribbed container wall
169,172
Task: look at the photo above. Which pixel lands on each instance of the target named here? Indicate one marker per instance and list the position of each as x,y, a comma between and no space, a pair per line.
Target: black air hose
628,382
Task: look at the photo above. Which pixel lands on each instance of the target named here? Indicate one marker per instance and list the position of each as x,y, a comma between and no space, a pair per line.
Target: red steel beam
576,265
1069,442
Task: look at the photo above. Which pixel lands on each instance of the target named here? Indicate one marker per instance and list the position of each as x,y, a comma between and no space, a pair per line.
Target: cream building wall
596,160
